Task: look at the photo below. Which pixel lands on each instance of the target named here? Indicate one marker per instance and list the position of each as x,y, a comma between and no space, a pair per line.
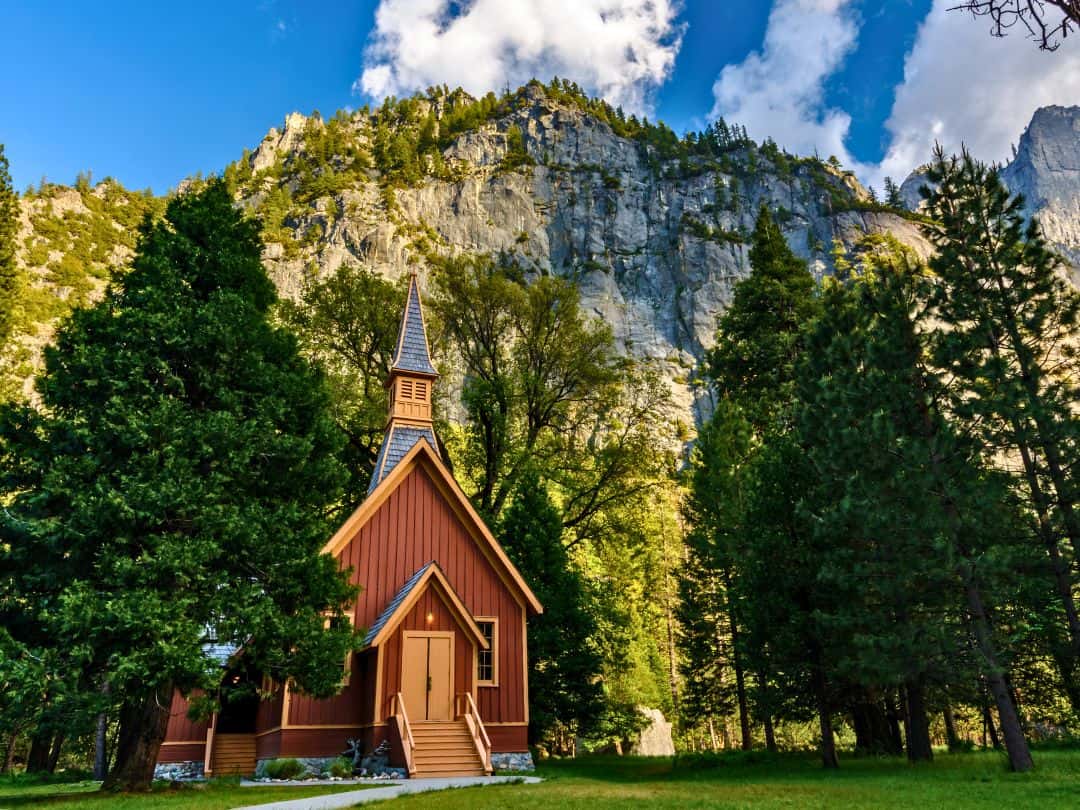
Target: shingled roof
405,598
398,441
412,347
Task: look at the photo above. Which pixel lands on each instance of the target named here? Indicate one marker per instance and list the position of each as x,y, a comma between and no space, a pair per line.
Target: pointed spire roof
412,352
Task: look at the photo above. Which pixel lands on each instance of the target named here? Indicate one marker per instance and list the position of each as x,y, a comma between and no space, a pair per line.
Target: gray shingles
397,442
400,597
412,347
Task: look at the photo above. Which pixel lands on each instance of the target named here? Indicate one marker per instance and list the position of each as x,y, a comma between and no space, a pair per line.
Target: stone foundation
179,771
515,761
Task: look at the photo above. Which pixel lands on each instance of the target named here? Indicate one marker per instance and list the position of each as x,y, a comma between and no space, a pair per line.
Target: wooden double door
427,675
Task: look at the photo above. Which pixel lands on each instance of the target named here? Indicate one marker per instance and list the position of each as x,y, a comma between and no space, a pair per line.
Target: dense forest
869,548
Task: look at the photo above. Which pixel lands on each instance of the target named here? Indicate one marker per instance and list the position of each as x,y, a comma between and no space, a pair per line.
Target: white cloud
963,86
779,91
620,49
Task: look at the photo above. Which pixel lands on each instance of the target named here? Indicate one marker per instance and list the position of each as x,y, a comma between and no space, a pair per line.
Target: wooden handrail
476,726
397,710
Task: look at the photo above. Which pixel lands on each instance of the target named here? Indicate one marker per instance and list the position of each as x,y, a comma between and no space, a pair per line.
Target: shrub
284,768
341,767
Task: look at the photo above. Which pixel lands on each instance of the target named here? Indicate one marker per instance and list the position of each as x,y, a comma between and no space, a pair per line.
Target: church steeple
412,377
412,374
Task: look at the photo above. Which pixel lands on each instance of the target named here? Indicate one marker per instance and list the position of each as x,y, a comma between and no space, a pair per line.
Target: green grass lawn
214,795
789,781
754,780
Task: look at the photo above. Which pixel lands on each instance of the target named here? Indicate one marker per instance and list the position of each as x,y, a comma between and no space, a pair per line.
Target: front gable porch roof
406,598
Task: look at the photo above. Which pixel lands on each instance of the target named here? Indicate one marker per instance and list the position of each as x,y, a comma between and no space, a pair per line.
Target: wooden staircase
233,754
445,749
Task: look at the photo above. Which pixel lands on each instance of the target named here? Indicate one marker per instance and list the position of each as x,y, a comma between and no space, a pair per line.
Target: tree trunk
1015,744
950,729
143,722
892,720
988,725
872,733
736,661
54,753
770,734
101,759
9,753
37,761
1068,660
828,741
918,730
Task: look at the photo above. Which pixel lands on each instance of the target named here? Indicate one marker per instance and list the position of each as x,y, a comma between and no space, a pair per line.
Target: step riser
445,749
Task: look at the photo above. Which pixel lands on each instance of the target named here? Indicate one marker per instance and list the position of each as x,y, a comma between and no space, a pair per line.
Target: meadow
736,780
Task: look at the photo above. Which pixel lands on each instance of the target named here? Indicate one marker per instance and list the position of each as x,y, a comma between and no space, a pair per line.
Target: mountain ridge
652,227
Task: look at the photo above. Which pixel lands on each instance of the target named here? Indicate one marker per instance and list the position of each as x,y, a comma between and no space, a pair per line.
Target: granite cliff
652,227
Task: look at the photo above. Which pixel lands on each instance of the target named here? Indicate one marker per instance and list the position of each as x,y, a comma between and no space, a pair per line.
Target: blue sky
152,92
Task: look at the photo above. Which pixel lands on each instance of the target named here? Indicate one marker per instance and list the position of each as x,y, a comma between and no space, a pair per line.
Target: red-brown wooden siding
182,752
181,728
269,714
508,738
414,526
336,711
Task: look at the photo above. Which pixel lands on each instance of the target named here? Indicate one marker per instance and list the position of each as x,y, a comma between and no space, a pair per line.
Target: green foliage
287,768
347,321
1011,354
564,662
759,335
11,280
175,493
341,767
516,154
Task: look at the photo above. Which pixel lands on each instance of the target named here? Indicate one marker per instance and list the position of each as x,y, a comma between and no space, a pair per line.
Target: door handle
429,683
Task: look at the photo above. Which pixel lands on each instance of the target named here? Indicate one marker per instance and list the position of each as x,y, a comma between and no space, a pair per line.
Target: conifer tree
10,276
898,496
893,198
752,370
1013,331
564,663
709,634
173,491
757,342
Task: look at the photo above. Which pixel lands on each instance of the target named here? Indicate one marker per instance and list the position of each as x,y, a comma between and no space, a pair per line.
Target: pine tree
174,492
893,198
10,275
757,342
752,369
709,626
564,664
898,496
1011,347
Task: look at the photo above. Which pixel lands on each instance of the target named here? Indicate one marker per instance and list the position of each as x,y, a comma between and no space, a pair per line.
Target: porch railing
401,717
466,707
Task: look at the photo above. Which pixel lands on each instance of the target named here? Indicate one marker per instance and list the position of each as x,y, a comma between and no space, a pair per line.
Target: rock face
1046,170
655,247
655,740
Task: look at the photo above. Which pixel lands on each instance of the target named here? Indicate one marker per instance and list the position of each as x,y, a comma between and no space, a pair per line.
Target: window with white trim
487,671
